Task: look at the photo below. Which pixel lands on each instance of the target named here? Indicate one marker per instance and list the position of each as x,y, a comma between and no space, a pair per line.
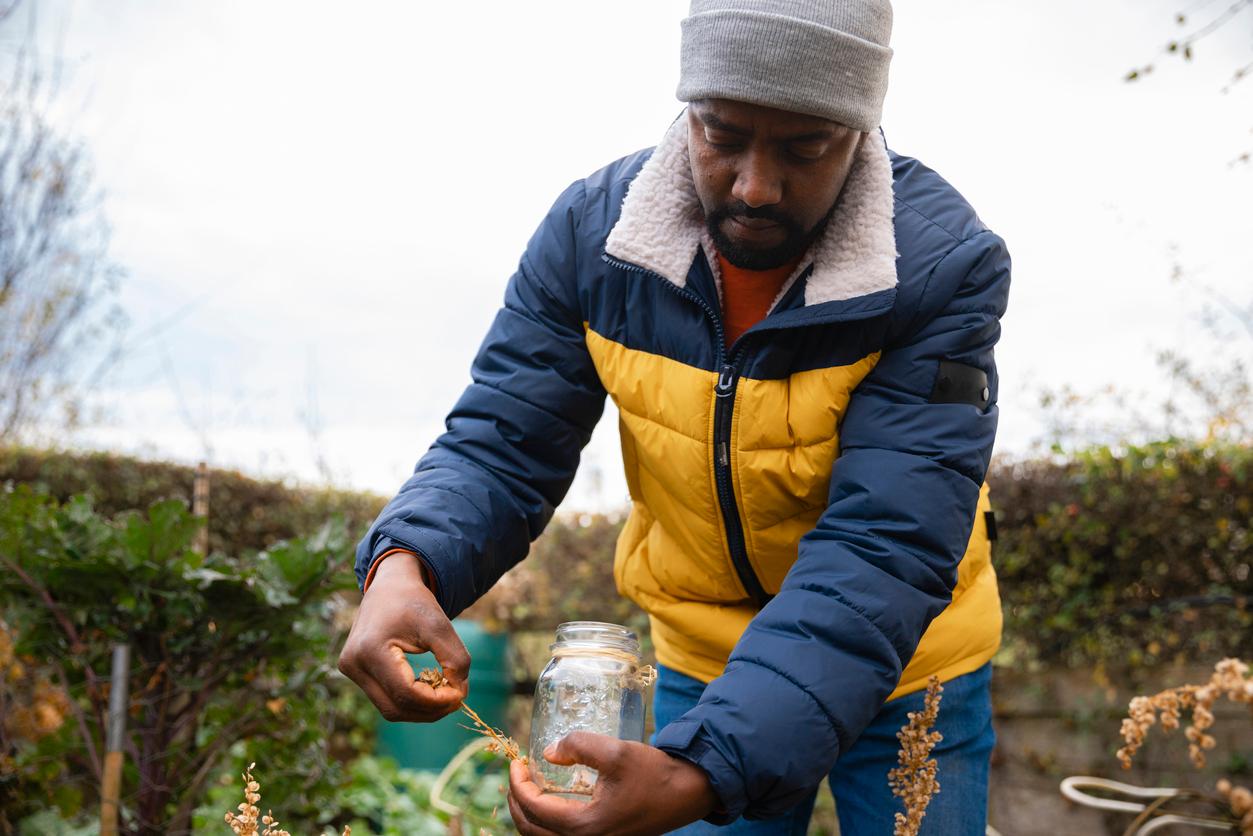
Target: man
797,328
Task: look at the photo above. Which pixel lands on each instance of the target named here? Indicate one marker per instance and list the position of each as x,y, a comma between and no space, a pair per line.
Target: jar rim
595,635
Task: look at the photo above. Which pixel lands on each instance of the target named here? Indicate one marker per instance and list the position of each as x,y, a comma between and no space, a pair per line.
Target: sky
317,205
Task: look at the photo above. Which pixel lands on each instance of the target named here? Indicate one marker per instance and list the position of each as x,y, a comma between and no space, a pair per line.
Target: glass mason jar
594,682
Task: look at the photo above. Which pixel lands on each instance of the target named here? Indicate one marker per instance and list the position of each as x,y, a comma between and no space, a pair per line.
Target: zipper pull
726,382
724,454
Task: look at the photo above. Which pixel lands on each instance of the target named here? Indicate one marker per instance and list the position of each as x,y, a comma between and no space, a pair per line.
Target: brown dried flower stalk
501,743
1240,799
1230,679
914,780
31,706
244,823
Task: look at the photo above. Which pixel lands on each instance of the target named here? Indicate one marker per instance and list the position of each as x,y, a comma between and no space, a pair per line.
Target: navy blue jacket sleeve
817,663
490,483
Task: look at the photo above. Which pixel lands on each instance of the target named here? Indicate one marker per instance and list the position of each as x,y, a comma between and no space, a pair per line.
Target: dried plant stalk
1240,799
914,781
1230,679
501,743
244,823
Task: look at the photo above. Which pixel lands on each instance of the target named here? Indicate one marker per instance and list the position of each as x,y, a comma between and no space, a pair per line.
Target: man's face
767,179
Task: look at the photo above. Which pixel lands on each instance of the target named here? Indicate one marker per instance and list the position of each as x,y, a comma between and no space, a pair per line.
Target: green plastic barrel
432,745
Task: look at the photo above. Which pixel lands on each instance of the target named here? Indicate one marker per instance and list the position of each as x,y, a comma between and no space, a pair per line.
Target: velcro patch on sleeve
959,383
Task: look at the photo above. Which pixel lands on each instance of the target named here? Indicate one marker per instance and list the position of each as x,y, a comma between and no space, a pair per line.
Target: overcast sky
317,205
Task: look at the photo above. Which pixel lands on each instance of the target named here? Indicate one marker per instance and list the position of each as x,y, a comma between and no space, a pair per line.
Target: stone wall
1053,724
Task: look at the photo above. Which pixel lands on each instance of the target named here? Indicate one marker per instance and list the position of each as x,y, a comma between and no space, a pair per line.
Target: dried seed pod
914,780
1230,678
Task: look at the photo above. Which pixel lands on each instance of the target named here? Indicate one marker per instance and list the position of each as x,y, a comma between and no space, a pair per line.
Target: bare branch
1183,46
1238,76
56,283
89,741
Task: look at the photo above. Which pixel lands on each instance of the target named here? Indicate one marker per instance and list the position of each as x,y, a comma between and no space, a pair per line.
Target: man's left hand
639,790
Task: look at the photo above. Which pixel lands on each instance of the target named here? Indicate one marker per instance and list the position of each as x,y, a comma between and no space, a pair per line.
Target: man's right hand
400,615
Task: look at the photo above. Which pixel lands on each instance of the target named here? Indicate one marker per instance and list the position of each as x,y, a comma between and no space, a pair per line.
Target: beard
749,257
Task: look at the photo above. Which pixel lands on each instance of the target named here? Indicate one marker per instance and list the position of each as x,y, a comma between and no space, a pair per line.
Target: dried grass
1240,800
501,743
914,781
246,821
1230,679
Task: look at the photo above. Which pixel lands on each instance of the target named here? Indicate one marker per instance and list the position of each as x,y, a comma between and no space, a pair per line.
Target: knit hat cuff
779,61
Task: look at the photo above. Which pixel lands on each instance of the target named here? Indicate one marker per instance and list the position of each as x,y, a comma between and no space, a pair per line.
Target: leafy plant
244,513
379,797
1135,556
225,647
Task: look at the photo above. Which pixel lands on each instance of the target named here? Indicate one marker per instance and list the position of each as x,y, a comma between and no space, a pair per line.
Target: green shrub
244,513
376,796
1110,557
1127,557
568,576
225,647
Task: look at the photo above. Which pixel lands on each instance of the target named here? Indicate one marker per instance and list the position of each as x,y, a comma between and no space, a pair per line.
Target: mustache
740,209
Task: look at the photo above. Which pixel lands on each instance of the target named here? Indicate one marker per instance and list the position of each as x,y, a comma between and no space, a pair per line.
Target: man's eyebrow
718,125
813,136
712,121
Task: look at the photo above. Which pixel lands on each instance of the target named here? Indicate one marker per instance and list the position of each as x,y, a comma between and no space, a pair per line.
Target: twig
914,781
92,756
1229,679
500,743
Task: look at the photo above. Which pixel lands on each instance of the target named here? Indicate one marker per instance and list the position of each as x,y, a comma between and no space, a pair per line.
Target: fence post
200,506
119,698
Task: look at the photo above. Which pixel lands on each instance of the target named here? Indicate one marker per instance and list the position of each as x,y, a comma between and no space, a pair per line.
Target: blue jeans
859,781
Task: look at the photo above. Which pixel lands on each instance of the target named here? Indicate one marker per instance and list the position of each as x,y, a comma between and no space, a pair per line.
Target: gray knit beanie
827,58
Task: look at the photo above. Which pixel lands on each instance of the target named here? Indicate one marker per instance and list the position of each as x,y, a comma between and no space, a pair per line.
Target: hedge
1112,556
1127,556
244,513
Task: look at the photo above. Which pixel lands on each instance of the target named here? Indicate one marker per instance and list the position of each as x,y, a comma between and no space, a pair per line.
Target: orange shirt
748,294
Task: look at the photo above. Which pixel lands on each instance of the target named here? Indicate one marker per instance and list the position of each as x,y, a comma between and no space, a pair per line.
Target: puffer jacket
808,529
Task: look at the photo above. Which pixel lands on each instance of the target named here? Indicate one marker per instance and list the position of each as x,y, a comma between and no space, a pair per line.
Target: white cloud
335,195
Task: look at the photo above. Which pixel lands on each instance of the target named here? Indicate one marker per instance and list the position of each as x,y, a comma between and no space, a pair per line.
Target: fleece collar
662,225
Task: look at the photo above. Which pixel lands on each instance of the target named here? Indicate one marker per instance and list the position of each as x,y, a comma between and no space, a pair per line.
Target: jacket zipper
724,410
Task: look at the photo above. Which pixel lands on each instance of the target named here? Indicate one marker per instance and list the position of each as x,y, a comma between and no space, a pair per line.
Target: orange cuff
426,573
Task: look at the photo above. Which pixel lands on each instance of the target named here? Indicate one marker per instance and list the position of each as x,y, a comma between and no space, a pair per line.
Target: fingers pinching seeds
387,678
400,615
376,695
351,666
450,652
